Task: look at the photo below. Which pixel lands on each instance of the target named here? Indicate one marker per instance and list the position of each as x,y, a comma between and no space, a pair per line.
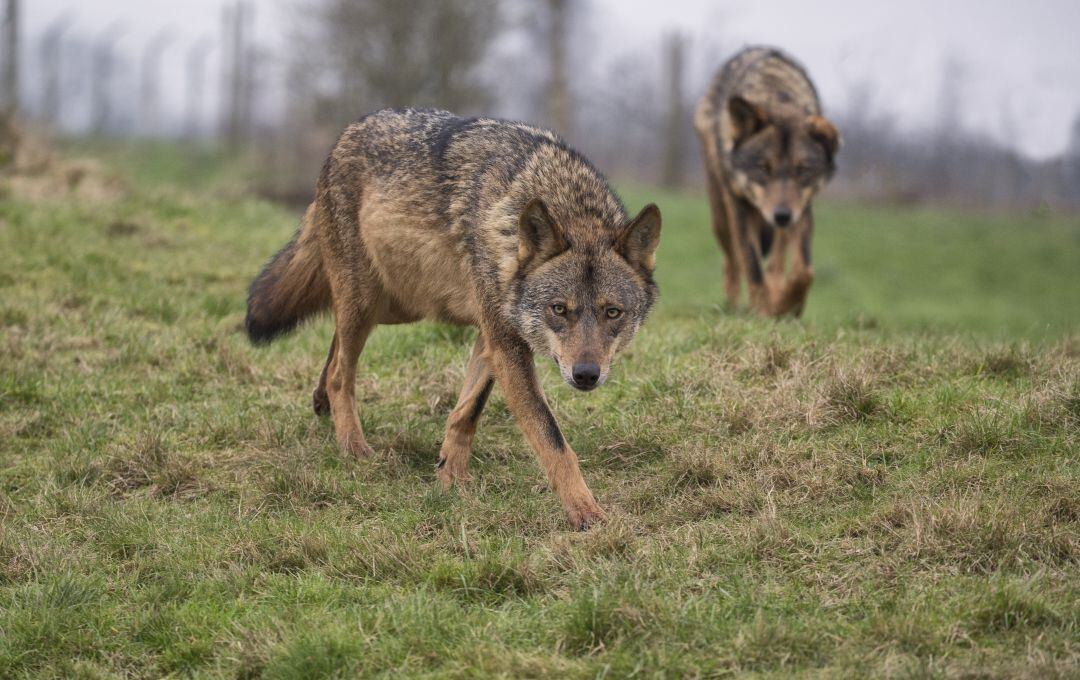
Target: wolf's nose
586,375
782,217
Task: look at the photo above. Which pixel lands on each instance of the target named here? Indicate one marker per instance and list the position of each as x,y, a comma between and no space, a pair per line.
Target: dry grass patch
1010,363
149,464
974,534
849,395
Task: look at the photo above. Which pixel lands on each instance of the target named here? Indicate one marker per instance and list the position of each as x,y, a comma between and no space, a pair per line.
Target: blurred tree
350,57
149,90
382,53
8,135
238,63
621,122
194,84
52,50
1072,164
948,163
102,69
557,89
11,58
553,77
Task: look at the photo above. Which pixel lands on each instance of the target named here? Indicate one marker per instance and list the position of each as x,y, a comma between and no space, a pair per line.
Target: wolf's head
580,304
780,159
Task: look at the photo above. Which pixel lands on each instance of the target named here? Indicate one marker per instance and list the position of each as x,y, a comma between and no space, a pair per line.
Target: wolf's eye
558,309
764,166
613,312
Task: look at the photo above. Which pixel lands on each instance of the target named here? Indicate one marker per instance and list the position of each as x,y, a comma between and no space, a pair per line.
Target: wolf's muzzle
586,375
782,216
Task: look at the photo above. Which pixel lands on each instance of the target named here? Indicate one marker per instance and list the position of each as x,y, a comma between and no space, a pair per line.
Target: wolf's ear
824,133
638,241
539,238
746,117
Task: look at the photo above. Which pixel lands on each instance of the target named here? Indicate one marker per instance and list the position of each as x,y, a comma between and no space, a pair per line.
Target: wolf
768,151
422,214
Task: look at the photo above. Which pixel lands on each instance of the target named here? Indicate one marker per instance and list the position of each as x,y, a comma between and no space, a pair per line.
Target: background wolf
767,152
425,215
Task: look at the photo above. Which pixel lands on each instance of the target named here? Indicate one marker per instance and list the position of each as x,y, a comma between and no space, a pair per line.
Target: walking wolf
420,214
768,151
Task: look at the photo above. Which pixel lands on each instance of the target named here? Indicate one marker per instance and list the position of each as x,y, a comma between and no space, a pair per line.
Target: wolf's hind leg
355,294
354,317
320,401
461,424
353,324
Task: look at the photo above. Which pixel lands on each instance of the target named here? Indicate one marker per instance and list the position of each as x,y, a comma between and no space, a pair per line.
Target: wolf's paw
585,516
320,401
356,447
363,450
450,475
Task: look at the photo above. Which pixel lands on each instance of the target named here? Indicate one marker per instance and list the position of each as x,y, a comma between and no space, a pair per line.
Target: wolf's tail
290,288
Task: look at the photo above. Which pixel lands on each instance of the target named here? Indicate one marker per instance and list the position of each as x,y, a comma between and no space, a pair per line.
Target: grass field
890,488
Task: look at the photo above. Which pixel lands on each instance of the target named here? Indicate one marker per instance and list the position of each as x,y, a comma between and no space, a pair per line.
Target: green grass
1000,277
890,488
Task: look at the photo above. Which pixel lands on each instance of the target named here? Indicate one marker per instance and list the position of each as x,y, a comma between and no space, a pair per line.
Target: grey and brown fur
768,151
420,214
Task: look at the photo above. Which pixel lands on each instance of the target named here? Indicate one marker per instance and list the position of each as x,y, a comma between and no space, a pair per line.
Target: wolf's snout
586,375
782,216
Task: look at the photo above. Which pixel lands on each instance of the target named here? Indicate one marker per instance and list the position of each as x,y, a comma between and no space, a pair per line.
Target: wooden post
52,59
195,66
675,124
11,58
150,72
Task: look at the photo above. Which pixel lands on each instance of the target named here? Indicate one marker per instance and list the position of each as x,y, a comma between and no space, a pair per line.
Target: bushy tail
290,288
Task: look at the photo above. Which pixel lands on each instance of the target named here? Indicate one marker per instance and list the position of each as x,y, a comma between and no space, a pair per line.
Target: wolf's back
767,76
465,178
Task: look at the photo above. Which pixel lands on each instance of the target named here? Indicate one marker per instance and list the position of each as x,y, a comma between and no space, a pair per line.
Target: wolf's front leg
792,297
776,266
759,293
747,246
512,365
461,424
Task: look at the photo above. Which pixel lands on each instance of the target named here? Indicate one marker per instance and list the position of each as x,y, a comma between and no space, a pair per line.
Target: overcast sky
1021,61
